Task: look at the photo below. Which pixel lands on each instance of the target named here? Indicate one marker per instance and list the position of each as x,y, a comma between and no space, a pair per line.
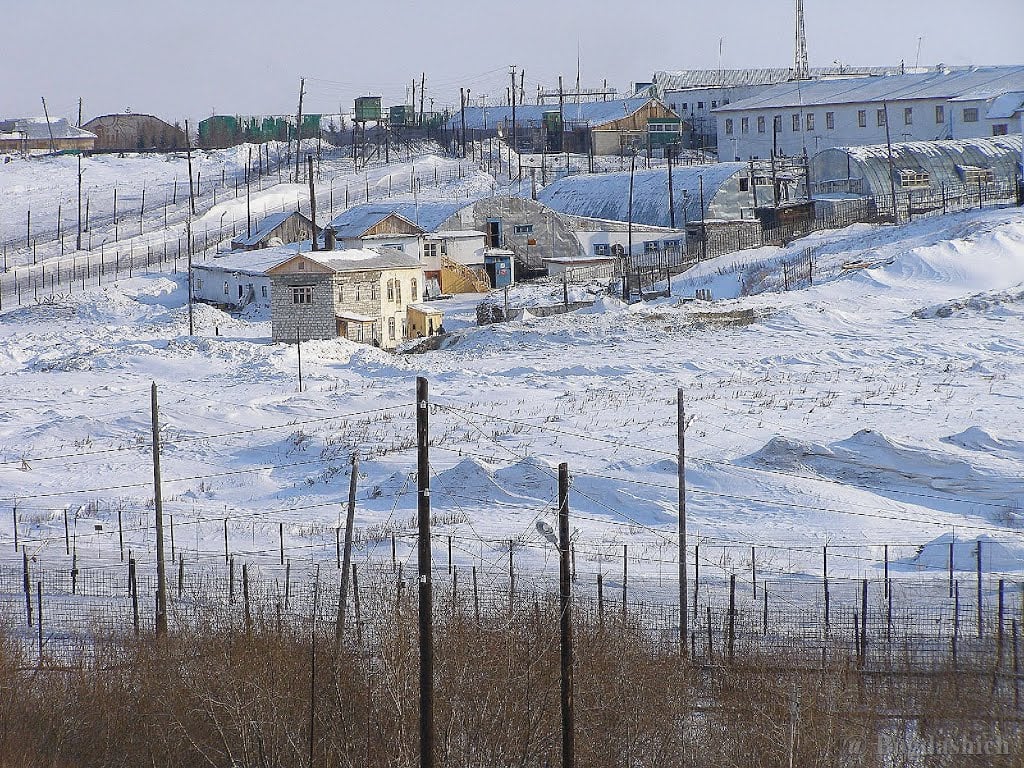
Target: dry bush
213,694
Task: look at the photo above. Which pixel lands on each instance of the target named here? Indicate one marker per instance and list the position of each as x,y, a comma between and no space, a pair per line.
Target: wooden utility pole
158,505
298,129
565,605
462,113
681,470
426,607
312,199
191,190
248,197
78,237
892,170
49,127
423,87
671,198
346,563
188,237
512,93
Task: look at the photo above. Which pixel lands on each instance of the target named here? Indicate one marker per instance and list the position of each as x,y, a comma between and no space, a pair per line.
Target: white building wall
924,125
219,286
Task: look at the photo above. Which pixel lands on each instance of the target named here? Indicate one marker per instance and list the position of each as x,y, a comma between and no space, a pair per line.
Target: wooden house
276,229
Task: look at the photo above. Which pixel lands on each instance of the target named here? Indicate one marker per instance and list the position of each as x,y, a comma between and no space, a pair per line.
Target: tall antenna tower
801,70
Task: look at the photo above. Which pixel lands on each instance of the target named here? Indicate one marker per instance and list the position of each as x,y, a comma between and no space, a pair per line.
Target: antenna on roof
801,70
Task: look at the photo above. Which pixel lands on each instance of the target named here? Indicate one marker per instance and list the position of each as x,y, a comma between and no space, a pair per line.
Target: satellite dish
547,532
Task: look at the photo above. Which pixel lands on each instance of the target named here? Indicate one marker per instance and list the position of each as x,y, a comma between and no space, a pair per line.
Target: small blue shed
499,266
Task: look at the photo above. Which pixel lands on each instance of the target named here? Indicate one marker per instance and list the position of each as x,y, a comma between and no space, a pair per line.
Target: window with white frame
970,114
391,290
263,291
651,246
430,250
744,125
523,229
940,114
809,121
302,294
760,124
908,115
391,328
374,291
413,295
600,249
830,121
880,116
226,288
728,126
862,118
796,121
398,291
341,294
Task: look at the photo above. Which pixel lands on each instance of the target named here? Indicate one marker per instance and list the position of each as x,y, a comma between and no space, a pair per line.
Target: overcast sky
189,58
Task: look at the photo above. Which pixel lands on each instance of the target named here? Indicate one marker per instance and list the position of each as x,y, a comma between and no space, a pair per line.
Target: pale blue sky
186,58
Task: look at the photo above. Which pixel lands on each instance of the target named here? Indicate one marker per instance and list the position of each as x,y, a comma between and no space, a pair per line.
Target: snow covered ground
879,406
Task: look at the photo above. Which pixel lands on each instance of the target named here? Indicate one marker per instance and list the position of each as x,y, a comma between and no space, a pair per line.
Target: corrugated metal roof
428,215
731,78
606,195
976,83
265,227
589,113
37,129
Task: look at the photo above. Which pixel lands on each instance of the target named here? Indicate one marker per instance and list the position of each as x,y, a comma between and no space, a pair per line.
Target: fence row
901,617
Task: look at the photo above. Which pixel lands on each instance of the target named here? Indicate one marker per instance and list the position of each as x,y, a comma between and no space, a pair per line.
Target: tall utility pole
158,504
565,624
681,470
426,596
78,237
53,144
892,170
298,129
512,93
462,112
191,190
423,86
801,70
671,200
346,562
312,199
188,238
79,111
248,200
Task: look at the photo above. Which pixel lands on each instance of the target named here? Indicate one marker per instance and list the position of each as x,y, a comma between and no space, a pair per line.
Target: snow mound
977,439
980,302
997,555
870,460
470,480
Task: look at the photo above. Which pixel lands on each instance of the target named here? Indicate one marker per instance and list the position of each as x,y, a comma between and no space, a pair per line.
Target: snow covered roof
1006,106
264,228
974,83
37,129
606,195
254,262
425,309
590,113
428,215
363,259
729,78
